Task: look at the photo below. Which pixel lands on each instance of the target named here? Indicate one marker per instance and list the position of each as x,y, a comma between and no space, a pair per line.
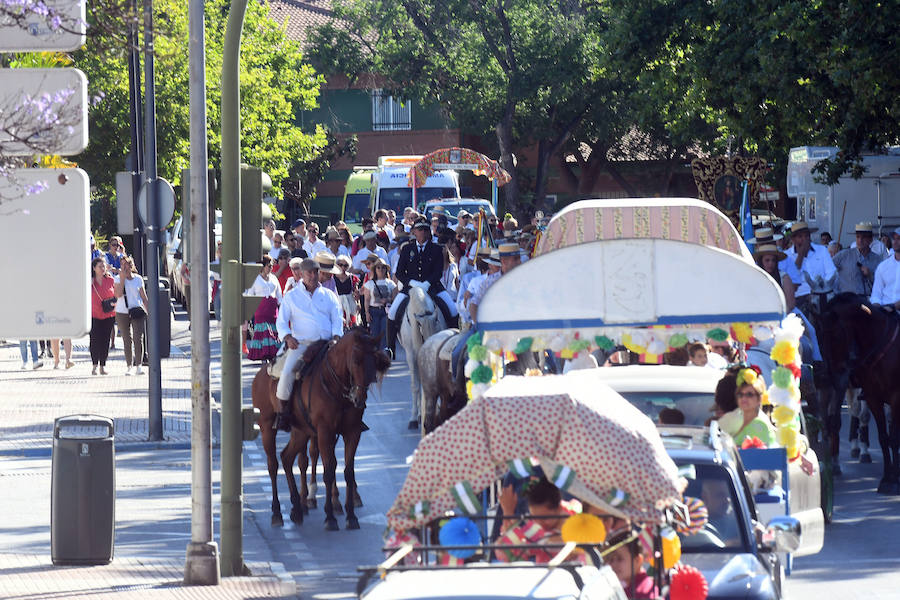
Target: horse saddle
311,355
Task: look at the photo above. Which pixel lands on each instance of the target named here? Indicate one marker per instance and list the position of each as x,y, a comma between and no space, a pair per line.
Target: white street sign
62,28
43,111
47,291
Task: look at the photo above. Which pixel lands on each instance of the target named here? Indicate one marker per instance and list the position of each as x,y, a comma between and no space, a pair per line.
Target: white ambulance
392,188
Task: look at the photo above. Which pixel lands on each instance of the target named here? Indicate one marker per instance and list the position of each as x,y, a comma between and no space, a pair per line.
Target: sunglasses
343,266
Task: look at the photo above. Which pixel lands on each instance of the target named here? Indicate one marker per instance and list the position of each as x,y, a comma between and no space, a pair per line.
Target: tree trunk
504,140
617,177
540,181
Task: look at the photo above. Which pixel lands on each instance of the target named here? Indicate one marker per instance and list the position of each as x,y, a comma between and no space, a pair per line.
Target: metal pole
135,160
231,523
152,257
201,566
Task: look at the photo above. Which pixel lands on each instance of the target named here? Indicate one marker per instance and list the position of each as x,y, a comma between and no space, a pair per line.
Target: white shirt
265,287
363,253
276,250
449,277
383,295
133,288
313,247
817,263
388,230
310,317
886,289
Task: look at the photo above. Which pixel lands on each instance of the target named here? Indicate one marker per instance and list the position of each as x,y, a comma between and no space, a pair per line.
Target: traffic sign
62,28
47,293
43,111
165,197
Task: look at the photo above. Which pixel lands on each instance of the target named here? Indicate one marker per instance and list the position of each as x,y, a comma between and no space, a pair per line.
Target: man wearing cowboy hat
421,264
814,263
327,270
308,313
767,242
856,266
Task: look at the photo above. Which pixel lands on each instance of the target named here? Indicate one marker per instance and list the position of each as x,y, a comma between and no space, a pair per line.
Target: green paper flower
523,346
482,374
579,345
474,340
604,343
718,334
478,352
678,340
782,378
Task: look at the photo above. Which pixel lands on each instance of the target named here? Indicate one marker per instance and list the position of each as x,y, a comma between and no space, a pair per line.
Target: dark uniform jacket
425,266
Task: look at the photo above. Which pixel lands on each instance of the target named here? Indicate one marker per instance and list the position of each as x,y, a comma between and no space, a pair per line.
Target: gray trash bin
82,490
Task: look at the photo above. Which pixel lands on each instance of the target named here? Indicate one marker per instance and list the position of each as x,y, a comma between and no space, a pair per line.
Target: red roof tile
300,15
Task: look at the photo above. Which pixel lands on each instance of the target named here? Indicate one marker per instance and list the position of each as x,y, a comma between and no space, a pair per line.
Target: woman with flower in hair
748,420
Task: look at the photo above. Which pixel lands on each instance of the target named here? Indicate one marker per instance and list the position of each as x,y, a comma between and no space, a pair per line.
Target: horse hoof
352,523
854,453
277,521
887,487
312,503
331,524
865,458
297,516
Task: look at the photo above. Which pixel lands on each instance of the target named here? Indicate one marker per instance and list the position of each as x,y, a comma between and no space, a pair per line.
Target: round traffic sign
166,198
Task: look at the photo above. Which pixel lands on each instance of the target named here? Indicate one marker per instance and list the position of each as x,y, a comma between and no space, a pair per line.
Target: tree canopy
276,84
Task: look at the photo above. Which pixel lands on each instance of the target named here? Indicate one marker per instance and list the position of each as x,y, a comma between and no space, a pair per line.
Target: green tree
276,84
525,70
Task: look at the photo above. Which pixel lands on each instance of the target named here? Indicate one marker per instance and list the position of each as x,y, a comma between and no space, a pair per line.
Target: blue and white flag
746,217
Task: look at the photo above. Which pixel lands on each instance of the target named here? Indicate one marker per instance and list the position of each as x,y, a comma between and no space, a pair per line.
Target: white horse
422,320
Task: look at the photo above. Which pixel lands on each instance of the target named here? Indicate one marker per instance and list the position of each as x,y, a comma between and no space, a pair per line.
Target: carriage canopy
677,219
586,438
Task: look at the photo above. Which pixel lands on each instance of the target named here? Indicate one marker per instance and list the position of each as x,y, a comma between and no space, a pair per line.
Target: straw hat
764,235
508,249
326,262
864,228
801,226
764,249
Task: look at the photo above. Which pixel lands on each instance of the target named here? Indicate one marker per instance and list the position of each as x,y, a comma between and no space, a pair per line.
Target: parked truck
392,189
874,198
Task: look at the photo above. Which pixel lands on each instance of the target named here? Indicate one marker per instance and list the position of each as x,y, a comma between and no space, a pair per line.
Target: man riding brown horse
309,313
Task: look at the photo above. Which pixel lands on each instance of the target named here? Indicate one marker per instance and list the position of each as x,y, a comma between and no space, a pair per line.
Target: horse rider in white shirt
309,312
886,289
815,265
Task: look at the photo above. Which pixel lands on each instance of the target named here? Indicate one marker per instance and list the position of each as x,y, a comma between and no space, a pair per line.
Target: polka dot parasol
587,439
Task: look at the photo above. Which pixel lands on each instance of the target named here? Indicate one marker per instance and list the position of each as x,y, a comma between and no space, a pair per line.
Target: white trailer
874,198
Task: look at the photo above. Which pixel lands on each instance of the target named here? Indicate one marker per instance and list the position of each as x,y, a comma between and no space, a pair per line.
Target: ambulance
392,189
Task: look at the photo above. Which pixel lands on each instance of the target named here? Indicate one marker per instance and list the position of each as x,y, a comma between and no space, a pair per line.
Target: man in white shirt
277,245
308,313
886,289
313,245
371,247
815,266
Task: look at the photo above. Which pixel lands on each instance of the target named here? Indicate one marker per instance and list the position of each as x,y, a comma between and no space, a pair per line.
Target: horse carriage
652,276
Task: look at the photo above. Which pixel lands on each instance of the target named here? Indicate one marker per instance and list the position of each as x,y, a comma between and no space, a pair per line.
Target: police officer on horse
420,264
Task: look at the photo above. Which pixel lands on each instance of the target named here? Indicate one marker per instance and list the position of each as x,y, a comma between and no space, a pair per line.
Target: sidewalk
153,501
30,399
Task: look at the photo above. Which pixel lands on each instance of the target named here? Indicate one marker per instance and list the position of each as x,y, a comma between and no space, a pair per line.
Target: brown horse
329,402
863,341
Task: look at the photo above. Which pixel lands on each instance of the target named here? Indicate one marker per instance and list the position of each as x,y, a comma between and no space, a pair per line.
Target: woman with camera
103,313
131,313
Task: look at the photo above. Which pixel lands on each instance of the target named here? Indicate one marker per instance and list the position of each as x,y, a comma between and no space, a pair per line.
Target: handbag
135,312
107,304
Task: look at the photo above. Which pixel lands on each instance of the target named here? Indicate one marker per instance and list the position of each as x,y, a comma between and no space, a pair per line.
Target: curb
121,448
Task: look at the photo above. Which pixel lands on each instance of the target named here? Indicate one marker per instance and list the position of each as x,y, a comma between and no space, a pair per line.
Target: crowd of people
118,304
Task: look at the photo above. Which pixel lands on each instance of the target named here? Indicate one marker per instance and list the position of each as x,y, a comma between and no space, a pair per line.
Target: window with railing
389,113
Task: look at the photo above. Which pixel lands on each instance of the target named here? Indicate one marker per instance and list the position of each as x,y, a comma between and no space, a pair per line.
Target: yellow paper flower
764,399
784,352
782,415
469,385
742,332
747,376
786,437
671,547
629,343
583,529
792,452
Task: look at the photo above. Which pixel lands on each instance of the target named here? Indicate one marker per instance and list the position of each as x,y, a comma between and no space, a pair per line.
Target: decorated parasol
586,438
457,159
677,219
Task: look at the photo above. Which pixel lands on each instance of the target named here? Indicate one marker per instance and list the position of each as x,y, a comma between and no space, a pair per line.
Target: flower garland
784,393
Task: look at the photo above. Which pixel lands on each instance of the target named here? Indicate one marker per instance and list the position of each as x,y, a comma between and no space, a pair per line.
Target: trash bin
82,490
